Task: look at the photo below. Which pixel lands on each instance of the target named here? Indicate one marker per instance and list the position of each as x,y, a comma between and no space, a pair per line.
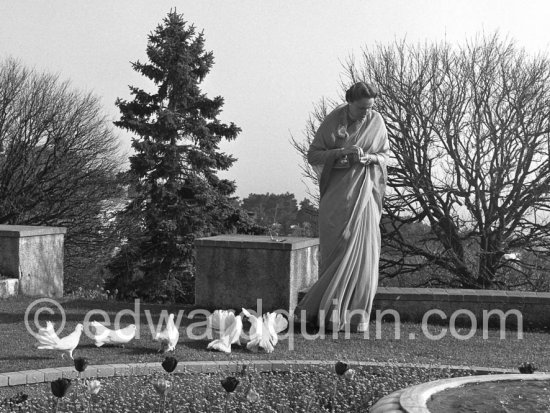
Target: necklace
353,122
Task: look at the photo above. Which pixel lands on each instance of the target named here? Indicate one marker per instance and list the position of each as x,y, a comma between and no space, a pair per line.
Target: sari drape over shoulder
349,217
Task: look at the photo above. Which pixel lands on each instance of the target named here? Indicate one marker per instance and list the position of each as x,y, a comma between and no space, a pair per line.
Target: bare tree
469,128
58,158
319,112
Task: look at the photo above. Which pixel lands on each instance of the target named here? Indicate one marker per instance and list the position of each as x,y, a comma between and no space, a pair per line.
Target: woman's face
359,108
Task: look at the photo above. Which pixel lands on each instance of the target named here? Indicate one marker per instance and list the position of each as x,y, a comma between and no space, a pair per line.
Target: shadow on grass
92,345
112,305
195,344
104,311
10,318
141,350
308,328
27,358
201,347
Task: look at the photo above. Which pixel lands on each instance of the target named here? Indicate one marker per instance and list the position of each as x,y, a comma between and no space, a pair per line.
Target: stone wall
461,306
34,256
233,271
412,304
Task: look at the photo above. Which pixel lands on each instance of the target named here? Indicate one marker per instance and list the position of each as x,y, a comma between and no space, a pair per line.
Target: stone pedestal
233,271
34,256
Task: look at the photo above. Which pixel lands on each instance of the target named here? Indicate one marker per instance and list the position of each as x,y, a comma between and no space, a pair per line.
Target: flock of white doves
223,325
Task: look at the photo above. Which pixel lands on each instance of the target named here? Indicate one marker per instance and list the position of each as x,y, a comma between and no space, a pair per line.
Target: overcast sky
273,59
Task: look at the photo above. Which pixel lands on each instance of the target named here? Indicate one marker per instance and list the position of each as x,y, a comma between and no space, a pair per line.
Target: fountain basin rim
414,399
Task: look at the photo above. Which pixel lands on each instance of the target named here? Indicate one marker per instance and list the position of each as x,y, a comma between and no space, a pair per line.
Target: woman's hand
355,150
369,159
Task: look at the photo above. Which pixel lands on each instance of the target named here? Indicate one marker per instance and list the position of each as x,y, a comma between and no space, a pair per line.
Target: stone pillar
34,256
233,271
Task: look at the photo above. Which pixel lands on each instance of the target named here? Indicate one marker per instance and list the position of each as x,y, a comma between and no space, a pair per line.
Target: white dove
225,325
263,331
168,337
104,335
49,340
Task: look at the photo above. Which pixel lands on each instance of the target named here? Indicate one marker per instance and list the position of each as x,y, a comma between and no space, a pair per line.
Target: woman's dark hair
361,90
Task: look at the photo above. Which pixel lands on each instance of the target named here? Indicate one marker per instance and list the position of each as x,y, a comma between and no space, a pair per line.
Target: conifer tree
178,195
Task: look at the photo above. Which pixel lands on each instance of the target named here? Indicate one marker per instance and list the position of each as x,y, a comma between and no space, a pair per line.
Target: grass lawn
18,351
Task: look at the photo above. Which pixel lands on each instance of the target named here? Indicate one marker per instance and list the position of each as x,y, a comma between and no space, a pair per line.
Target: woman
349,153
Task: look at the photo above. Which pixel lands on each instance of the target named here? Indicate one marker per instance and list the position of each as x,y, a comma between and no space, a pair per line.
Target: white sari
349,222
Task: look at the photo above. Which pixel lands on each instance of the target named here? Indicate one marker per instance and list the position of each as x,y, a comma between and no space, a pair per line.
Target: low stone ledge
210,367
189,367
68,372
153,367
16,378
105,370
33,376
231,367
413,303
260,365
122,369
227,366
282,365
318,365
51,374
139,369
437,294
90,372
